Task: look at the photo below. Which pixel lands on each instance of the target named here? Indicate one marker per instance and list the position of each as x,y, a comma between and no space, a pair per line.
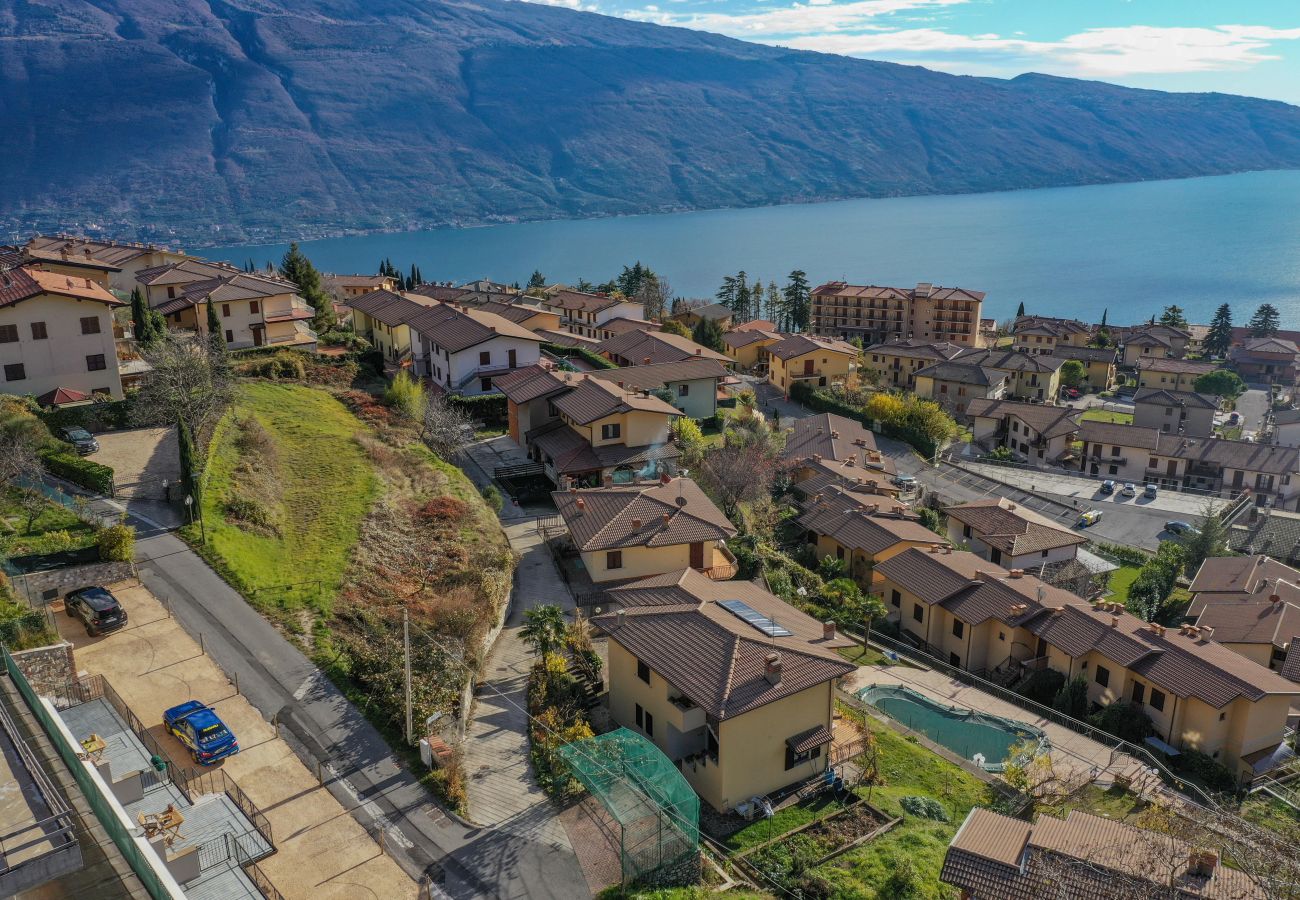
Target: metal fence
194,784
261,882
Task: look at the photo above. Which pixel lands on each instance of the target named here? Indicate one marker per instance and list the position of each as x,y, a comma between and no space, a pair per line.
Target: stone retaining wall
49,669
41,588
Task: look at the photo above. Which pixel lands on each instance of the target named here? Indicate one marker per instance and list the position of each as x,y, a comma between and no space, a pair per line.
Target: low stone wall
41,588
49,669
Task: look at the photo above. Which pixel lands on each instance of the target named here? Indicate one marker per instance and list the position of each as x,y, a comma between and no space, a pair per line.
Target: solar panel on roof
743,611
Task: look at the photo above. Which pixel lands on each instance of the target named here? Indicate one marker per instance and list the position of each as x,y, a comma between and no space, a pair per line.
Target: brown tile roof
738,338
649,378
1047,420
712,656
1175,366
935,576
917,348
606,518
62,395
657,346
1139,436
1162,397
1252,622
860,529
830,437
455,328
111,253
593,398
921,291
756,325
372,281
25,282
1267,345
1012,528
715,311
795,345
571,300
567,339
514,312
964,373
1009,360
568,451
1049,325
530,382
856,486
1242,578
624,325
390,307
1085,354
1246,455
443,292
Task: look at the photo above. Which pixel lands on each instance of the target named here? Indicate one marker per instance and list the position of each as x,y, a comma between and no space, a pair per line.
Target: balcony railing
724,571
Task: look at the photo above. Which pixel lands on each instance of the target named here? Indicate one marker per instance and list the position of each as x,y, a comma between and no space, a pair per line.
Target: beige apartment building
1042,336
877,314
895,363
115,264
56,336
732,684
1171,374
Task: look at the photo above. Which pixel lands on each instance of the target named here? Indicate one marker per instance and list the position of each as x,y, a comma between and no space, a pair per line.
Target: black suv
98,610
81,439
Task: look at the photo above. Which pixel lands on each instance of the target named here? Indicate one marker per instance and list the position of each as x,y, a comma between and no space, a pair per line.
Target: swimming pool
982,738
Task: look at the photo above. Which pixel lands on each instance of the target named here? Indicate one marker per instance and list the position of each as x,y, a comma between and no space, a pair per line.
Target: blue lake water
1130,249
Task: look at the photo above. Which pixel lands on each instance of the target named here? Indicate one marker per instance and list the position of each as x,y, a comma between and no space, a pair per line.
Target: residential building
1173,374
853,529
1029,377
1098,364
1268,361
714,312
1011,535
802,357
115,264
1175,412
1196,335
1082,857
460,349
348,287
1155,341
1041,434
877,314
827,440
598,431
755,325
645,348
1198,694
1251,604
744,345
56,336
692,383
1286,427
954,384
586,314
1043,335
1241,334
647,528
526,315
732,684
381,317
896,362
255,310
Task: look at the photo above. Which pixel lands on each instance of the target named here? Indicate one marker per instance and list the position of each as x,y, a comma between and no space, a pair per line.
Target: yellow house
348,287
381,317
731,683
1197,693
1042,336
1171,374
114,263
1035,378
894,363
647,528
801,357
744,345
855,530
1252,606
1098,365
1155,341
534,318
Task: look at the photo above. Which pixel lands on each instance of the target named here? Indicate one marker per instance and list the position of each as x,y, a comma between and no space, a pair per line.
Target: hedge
823,402
108,416
71,467
490,409
581,352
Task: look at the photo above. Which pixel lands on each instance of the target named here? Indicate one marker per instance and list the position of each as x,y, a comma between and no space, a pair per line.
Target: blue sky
1243,47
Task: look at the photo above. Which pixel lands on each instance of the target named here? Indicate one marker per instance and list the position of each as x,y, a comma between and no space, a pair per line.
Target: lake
1129,249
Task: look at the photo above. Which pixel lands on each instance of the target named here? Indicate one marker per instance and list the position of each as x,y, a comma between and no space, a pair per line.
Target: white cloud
800,18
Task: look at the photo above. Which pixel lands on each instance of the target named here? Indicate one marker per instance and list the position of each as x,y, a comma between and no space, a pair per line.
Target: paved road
1174,504
1252,405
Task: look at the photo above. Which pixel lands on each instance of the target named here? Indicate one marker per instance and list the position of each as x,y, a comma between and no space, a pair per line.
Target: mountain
222,120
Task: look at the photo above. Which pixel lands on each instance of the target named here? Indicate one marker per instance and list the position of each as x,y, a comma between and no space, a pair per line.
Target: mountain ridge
223,121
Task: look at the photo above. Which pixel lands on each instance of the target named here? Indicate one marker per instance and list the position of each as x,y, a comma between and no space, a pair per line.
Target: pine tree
1265,322
708,333
536,280
773,302
141,320
1020,310
1220,336
798,303
631,280
1173,316
1104,313
298,268
216,340
727,293
743,298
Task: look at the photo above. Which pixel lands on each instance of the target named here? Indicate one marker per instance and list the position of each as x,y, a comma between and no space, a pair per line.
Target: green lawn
1269,812
324,485
1122,579
55,528
1104,415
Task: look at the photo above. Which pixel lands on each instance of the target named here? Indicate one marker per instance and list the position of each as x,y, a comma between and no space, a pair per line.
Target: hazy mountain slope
266,118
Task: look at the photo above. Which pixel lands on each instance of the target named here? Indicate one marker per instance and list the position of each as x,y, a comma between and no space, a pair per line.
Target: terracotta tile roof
110,253
62,395
916,348
1252,622
594,398
718,660
1139,436
796,345
738,338
1047,420
1175,366
649,378
1012,528
852,526
531,382
605,518
455,328
1162,397
25,282
756,325
657,346
1085,354
1242,579
1009,360
390,307
921,291
372,281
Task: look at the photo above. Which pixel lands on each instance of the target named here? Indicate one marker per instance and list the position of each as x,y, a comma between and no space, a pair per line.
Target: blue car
198,727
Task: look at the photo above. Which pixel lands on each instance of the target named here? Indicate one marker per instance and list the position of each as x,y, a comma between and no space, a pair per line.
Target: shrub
1207,770
252,513
407,397
583,353
1042,686
931,519
490,409
492,497
116,543
1131,556
1072,698
71,467
1124,720
283,365
444,509
372,360
925,808
92,416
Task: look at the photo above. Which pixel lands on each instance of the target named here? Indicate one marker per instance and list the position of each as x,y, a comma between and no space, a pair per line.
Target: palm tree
544,628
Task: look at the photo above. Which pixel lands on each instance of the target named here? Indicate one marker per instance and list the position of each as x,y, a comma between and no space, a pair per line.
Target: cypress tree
1020,310
216,339
141,320
185,445
296,267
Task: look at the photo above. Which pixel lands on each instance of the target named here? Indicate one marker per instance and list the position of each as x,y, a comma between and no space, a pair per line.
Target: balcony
686,715
721,566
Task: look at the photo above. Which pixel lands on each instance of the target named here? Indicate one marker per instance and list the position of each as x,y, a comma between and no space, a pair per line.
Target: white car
1128,490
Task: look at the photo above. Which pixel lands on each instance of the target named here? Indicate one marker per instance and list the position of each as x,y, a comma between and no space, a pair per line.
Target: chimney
947,550
1202,863
697,351
1017,573
582,504
828,631
667,519
1114,621
621,617
665,478
772,668
636,524
934,548
1206,632
608,480
646,361
835,435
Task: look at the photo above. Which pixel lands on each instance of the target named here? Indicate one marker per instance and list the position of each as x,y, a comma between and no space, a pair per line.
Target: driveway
1252,406
144,462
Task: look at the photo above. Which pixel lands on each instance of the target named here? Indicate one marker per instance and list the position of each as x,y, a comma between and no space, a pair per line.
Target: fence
194,784
261,882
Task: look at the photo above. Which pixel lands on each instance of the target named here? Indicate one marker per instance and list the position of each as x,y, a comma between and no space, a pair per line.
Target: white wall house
462,349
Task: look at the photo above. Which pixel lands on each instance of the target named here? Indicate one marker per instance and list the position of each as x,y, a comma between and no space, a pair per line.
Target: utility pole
406,645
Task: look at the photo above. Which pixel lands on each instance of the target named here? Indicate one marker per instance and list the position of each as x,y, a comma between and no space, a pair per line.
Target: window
642,671
1222,716
954,659
649,724
640,716
90,324
15,372
485,384
1103,676
225,310
485,358
1139,692
253,307
8,334
793,759
1044,554
611,431
95,363
1002,635
614,559
965,531
683,390
230,336
896,598
38,331
918,612
839,552
958,628
1157,699
171,292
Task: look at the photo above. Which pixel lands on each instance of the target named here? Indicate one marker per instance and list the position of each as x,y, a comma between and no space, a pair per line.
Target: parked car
97,609
82,440
1128,490
1072,393
1177,527
1091,517
906,482
1150,491
1234,418
201,730
1108,486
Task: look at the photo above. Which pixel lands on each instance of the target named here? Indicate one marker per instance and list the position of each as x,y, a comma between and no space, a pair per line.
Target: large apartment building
113,264
596,316
876,314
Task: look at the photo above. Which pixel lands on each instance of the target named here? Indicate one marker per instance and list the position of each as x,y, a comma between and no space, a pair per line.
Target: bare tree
445,429
189,383
743,468
18,458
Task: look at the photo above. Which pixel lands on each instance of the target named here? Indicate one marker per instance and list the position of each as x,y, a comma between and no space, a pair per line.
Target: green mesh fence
655,812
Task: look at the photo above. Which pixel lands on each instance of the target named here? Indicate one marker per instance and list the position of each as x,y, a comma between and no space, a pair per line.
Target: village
810,591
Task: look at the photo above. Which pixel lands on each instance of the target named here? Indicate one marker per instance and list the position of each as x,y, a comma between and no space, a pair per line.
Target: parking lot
154,664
